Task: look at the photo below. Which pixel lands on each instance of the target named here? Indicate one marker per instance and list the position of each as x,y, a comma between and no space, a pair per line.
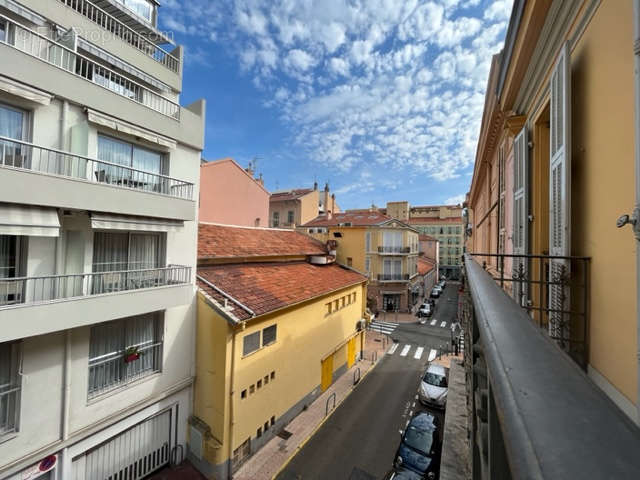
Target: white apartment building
99,174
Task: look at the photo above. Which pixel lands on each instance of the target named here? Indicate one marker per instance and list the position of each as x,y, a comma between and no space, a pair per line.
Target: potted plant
132,354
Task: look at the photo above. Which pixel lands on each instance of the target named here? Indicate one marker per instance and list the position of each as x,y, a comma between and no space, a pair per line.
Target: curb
317,427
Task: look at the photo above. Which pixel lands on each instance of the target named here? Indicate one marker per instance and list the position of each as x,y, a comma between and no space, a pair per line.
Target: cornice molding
514,123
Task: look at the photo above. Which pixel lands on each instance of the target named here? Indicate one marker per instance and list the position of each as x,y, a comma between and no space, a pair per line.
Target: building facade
384,249
291,208
561,99
229,194
278,322
99,169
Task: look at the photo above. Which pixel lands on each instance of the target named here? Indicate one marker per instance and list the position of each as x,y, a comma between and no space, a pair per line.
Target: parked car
442,283
419,449
435,293
434,387
425,310
403,474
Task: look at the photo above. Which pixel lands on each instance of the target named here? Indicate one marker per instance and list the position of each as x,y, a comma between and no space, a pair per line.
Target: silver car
434,387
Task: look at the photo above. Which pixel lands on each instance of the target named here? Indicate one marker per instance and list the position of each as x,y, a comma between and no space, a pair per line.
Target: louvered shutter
559,196
520,214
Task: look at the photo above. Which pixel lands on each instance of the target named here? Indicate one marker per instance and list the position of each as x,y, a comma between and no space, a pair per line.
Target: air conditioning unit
199,431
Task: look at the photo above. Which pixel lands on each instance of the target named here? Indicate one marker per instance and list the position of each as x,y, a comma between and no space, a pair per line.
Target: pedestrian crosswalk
418,352
383,327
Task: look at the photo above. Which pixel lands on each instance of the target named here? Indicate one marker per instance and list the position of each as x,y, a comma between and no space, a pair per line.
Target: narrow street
359,441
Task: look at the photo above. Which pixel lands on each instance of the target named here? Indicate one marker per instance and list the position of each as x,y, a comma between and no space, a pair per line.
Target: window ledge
123,387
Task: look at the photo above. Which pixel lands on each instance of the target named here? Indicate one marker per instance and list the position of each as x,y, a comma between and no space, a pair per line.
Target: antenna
254,161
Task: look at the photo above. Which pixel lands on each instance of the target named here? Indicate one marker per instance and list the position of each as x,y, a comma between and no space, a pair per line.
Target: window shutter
559,194
520,213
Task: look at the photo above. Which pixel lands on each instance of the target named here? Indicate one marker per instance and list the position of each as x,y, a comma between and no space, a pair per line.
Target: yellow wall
305,335
603,188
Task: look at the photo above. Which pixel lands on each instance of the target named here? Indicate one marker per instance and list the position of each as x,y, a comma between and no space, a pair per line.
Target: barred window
125,350
250,343
10,357
269,335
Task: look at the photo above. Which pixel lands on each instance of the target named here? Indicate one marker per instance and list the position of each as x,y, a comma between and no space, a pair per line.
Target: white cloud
339,66
299,60
455,200
499,10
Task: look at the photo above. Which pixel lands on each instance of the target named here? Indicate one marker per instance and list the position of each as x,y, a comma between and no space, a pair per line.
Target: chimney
315,185
327,206
249,169
333,202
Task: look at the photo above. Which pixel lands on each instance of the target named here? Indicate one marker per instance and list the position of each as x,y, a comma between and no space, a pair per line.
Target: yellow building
383,248
278,321
554,171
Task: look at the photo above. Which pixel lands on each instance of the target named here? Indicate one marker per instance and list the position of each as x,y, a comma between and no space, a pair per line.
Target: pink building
230,195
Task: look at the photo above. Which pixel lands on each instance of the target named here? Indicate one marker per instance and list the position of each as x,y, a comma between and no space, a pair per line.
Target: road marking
443,324
418,353
433,322
393,349
432,355
405,350
390,324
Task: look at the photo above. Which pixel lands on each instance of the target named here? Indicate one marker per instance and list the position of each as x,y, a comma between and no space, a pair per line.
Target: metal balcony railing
27,156
35,290
554,290
56,54
533,414
110,23
387,249
391,277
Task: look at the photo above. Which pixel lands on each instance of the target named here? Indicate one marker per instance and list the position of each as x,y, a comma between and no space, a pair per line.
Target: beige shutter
520,214
559,195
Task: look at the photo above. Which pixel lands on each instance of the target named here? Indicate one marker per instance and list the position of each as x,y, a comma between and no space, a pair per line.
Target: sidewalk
270,459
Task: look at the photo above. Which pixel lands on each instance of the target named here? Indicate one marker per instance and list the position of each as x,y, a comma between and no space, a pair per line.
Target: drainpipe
66,404
636,51
231,411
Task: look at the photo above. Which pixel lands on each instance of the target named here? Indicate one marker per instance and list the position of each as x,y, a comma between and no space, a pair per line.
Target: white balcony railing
125,33
44,289
32,43
27,156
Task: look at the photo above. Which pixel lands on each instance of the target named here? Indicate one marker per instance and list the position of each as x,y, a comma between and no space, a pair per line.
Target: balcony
38,305
128,35
533,413
53,53
393,277
394,250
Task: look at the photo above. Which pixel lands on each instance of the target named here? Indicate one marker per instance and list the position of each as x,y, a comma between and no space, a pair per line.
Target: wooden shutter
520,214
559,195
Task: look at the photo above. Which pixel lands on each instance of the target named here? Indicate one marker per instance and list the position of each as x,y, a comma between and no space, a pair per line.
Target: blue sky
381,98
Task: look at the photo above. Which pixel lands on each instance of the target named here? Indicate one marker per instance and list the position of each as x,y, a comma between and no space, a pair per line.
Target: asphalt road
359,441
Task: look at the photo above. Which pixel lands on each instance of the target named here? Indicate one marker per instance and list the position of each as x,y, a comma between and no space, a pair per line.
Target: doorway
391,302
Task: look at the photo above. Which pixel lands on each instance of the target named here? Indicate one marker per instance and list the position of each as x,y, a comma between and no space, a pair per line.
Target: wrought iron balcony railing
110,23
554,290
36,290
387,249
533,414
393,277
27,156
32,43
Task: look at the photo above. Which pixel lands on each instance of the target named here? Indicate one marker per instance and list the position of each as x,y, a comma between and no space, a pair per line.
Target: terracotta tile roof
356,219
427,220
424,266
426,238
224,241
289,194
266,287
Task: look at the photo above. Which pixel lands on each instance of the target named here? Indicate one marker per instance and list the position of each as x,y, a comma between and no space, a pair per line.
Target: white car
434,387
425,310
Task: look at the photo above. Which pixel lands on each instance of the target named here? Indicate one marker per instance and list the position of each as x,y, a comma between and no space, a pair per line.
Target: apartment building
384,249
278,322
230,194
552,222
99,169
291,208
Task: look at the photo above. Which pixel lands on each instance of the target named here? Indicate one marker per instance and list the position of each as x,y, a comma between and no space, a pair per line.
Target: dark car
419,450
403,474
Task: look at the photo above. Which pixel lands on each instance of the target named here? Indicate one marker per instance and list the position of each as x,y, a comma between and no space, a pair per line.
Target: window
343,301
349,262
13,124
392,240
250,343
252,389
273,421
367,264
3,31
336,305
276,219
329,308
354,297
392,268
290,217
12,264
266,379
142,8
256,222
273,375
259,384
10,358
259,432
266,426
125,350
269,335
135,159
241,453
244,393
367,242
337,234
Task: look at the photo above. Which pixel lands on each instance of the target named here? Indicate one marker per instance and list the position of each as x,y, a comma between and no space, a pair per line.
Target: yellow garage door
351,352
327,372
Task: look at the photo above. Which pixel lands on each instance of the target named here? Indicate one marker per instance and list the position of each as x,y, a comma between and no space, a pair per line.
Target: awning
124,127
23,91
105,221
29,221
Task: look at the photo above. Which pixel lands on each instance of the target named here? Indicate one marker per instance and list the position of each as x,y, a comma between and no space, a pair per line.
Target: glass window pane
11,122
147,160
251,343
269,335
8,256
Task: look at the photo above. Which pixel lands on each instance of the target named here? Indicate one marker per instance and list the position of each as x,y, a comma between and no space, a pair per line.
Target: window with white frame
392,268
367,242
250,343
3,31
125,350
290,217
13,124
142,8
10,358
276,219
